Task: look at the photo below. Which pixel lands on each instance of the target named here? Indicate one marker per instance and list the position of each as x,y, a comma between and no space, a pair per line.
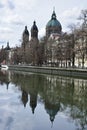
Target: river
31,101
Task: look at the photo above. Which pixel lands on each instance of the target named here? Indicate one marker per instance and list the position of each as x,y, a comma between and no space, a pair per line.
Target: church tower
25,37
8,47
34,43
34,31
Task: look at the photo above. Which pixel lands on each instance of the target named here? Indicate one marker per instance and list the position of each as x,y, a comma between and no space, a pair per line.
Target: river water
31,101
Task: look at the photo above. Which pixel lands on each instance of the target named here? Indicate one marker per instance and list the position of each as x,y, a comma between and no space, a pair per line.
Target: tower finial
54,9
34,22
53,14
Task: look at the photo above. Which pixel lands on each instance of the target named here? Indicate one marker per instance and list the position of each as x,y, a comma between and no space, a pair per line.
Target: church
53,30
54,49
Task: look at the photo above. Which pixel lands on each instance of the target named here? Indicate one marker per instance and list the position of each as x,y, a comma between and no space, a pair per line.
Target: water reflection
58,95
4,77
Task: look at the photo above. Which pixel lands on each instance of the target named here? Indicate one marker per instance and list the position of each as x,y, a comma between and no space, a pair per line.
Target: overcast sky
16,14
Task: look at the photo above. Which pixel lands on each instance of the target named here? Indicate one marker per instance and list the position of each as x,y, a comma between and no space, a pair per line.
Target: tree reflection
58,94
4,78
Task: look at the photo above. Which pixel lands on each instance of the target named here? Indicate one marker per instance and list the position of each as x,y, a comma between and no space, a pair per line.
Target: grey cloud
1,5
11,5
18,23
2,42
5,30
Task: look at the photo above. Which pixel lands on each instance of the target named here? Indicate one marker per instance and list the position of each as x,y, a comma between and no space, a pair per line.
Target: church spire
26,32
54,9
53,14
25,37
34,30
8,47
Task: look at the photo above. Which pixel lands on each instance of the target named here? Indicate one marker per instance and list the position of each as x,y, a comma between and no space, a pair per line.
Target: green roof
53,22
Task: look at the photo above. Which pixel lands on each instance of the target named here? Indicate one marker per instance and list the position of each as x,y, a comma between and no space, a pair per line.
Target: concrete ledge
74,72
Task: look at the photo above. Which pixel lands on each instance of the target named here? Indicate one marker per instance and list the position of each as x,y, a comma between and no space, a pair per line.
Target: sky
16,14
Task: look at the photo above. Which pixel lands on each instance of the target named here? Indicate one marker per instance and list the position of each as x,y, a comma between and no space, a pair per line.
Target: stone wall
51,70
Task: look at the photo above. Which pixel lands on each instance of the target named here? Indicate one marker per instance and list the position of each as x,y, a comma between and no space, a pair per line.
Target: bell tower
34,31
25,37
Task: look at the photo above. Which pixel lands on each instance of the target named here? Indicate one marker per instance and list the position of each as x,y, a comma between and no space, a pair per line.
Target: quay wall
71,72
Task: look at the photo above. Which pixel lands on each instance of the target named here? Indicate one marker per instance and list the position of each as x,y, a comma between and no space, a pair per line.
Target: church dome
53,22
53,25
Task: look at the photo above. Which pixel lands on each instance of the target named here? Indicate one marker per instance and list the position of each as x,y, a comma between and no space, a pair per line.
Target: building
53,33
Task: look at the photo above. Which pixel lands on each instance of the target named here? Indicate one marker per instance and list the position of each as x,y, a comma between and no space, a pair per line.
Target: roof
26,31
53,22
34,27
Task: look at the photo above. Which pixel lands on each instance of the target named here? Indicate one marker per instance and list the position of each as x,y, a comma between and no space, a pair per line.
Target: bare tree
34,50
41,52
83,17
82,37
3,55
81,46
73,40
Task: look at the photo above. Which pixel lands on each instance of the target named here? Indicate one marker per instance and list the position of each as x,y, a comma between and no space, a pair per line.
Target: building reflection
51,98
52,109
24,97
56,93
33,102
4,78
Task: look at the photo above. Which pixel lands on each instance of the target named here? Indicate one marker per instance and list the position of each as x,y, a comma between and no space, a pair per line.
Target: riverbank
71,72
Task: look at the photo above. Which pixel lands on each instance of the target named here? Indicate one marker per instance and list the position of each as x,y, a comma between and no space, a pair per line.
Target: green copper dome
53,26
53,22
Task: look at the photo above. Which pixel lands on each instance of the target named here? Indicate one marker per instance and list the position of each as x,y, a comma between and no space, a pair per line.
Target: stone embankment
72,72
